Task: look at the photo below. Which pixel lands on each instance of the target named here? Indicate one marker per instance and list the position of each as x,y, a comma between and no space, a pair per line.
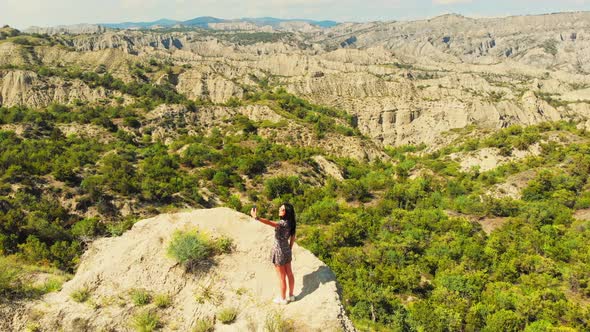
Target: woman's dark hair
290,218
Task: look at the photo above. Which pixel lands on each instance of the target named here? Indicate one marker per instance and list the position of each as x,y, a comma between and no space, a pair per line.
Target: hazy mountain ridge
204,22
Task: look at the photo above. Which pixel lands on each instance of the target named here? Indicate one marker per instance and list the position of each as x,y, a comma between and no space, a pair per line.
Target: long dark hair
290,218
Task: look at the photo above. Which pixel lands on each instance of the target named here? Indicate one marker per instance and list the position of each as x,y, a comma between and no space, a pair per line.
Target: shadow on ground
312,281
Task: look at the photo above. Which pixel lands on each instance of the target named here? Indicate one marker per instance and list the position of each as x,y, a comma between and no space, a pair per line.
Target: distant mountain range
204,21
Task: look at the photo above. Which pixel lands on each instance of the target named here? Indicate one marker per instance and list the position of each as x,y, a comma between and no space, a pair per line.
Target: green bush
227,315
10,278
89,227
504,320
146,321
281,186
325,211
583,201
189,248
235,203
355,190
34,251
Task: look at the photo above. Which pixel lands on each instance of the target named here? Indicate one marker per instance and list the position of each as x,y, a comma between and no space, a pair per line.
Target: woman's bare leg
291,278
282,282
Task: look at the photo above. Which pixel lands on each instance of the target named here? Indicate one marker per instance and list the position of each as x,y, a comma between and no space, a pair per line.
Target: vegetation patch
140,297
208,294
146,321
190,248
80,295
162,301
275,322
205,325
392,230
227,315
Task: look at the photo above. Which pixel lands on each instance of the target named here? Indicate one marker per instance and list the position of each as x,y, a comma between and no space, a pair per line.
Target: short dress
281,251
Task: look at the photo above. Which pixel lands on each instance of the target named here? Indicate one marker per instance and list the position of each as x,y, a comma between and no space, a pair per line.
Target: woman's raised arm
262,220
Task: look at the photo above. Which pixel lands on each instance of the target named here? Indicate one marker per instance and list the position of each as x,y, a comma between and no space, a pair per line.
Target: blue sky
24,13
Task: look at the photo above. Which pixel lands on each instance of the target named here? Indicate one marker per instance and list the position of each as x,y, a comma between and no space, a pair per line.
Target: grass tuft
275,322
227,315
205,325
80,295
162,300
146,321
141,297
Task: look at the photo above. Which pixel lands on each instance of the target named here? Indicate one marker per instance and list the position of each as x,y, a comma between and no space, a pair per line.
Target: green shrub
146,321
251,165
227,315
80,295
119,227
162,300
65,255
140,297
504,320
10,278
583,201
34,251
205,325
324,211
280,186
89,227
235,203
189,248
355,190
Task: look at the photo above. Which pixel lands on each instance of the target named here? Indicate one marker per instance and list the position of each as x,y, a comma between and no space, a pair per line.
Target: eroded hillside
403,82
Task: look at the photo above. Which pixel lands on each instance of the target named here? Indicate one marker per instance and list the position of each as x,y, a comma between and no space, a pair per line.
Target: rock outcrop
68,29
26,88
244,279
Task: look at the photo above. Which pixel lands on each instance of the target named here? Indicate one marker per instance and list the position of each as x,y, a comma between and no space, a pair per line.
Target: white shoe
292,298
278,300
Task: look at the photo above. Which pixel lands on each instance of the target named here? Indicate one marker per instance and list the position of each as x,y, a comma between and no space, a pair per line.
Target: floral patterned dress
281,251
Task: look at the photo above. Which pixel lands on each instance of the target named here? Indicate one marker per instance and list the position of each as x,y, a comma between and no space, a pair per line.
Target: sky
24,13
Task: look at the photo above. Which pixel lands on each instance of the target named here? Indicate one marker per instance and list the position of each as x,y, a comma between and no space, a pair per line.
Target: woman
281,252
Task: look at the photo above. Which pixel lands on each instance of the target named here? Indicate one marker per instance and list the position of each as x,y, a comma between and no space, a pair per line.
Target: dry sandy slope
113,266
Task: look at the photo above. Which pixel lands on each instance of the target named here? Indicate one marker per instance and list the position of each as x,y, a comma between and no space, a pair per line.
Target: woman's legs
289,273
282,282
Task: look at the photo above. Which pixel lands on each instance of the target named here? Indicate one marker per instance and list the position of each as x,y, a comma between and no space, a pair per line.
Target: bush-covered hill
403,234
